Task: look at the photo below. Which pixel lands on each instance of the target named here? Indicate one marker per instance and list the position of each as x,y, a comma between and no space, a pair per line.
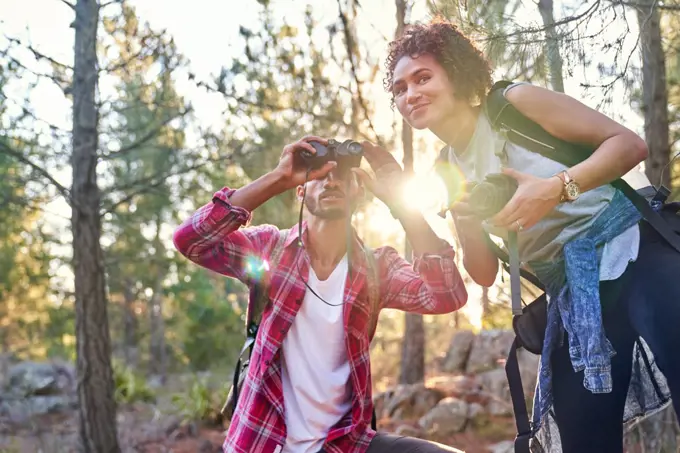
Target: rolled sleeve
213,238
431,285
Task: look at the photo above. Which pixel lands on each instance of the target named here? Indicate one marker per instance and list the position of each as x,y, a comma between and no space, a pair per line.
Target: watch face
572,191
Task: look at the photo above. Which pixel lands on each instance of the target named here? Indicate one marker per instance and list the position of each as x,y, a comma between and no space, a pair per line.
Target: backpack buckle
522,443
251,331
660,197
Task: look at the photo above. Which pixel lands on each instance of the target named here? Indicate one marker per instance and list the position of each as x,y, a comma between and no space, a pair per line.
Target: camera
488,197
347,154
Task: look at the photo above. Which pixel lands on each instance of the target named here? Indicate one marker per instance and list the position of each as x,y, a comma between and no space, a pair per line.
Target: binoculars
347,154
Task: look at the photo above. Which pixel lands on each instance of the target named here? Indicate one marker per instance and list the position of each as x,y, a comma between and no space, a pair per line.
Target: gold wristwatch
571,190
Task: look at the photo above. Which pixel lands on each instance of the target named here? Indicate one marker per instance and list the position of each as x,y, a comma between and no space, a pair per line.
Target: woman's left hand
389,178
534,199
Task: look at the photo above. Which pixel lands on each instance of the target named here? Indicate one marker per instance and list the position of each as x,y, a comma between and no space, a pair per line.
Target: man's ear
299,190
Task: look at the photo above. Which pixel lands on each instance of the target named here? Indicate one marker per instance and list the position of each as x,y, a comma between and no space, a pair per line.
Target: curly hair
467,68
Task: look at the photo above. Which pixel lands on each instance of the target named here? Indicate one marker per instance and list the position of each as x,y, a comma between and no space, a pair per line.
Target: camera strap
515,286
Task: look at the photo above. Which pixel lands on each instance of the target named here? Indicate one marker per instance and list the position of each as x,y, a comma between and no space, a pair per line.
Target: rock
457,356
507,446
447,417
489,350
40,378
37,388
19,410
475,410
408,431
455,386
411,401
170,425
495,384
380,401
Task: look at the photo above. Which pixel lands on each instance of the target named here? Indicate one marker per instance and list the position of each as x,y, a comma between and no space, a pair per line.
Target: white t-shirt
315,366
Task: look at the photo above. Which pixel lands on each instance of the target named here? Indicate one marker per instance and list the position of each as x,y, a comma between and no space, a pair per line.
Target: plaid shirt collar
358,258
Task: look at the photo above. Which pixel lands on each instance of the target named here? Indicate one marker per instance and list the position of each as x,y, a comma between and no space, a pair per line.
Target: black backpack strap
518,402
509,121
506,119
259,296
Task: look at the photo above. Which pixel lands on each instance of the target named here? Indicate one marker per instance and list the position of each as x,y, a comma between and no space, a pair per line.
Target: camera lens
354,148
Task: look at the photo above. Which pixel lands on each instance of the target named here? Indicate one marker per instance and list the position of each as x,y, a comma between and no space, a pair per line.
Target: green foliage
130,387
58,336
211,328
24,261
201,402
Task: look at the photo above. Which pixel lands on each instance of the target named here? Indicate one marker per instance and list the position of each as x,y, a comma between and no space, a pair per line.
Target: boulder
459,351
489,350
495,385
449,416
40,378
37,388
408,431
411,401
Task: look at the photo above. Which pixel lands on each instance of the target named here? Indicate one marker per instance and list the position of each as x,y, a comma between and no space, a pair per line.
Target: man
308,387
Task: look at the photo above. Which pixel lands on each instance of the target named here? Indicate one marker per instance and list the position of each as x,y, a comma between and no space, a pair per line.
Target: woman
609,277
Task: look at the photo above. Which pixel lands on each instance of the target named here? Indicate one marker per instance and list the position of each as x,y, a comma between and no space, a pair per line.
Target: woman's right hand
480,263
290,172
463,215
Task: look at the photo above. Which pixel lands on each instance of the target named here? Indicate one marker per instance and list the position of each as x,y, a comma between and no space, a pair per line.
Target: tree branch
646,5
73,7
122,64
5,149
151,183
104,5
350,54
259,104
37,54
566,20
62,84
145,138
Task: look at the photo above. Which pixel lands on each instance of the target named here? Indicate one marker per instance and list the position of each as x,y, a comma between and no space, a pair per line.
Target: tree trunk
413,345
552,45
654,94
96,404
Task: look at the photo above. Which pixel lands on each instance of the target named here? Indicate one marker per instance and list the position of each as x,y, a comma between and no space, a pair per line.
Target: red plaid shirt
212,238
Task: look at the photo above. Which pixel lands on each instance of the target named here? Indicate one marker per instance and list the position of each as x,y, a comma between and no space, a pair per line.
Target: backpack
259,296
529,322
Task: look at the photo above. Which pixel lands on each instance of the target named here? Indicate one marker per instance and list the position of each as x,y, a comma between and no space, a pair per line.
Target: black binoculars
347,154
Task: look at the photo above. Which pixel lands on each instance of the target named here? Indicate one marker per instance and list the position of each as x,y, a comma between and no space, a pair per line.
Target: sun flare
425,192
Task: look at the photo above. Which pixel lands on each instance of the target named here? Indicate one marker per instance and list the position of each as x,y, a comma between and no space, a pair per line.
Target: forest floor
143,430
157,428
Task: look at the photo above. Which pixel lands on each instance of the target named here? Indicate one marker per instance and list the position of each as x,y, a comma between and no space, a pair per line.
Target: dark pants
644,302
389,443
